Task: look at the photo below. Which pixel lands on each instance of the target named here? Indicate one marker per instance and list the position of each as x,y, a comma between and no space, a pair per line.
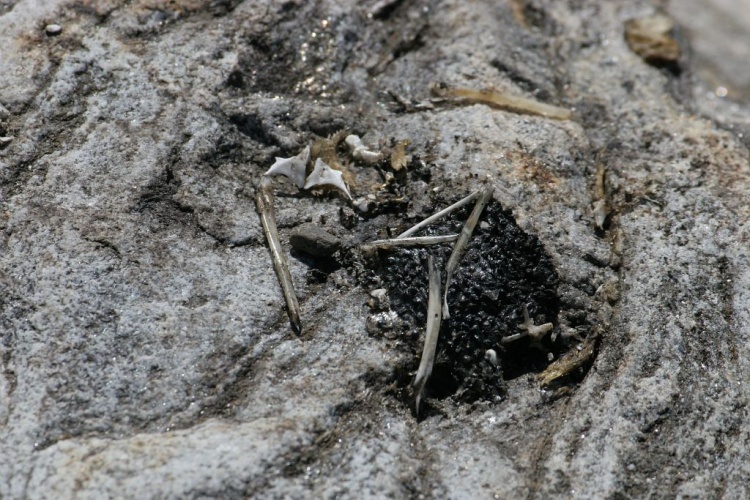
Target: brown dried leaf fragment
325,149
599,206
651,38
399,159
501,100
572,363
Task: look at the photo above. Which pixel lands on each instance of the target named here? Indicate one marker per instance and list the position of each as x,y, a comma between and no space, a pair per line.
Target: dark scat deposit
503,269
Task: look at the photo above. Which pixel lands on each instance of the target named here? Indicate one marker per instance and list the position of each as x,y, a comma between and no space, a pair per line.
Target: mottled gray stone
315,240
145,350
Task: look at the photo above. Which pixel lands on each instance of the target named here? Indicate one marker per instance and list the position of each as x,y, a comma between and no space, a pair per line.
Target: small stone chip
53,29
314,240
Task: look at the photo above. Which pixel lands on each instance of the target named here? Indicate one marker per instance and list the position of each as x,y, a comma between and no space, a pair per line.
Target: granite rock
315,240
144,348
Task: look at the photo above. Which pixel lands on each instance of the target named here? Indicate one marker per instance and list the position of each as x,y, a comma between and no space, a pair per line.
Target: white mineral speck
53,29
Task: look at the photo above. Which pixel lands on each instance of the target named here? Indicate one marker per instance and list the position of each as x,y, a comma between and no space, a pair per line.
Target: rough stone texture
314,240
145,350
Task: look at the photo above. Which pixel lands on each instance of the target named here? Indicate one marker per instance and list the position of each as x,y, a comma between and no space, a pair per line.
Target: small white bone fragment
432,218
295,167
600,213
379,299
536,333
491,356
431,333
53,29
323,175
416,241
360,151
362,204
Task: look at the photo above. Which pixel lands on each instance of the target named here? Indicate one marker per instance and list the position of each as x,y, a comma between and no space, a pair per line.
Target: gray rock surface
313,239
145,350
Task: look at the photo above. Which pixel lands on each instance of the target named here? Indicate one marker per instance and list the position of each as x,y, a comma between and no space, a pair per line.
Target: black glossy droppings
503,269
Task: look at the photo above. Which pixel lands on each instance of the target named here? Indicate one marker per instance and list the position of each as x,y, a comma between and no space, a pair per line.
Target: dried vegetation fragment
328,173
408,106
600,206
651,38
325,149
442,213
264,200
499,100
535,332
399,159
462,244
432,332
417,241
573,363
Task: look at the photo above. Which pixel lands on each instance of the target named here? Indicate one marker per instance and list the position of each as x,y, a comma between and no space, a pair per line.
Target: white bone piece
295,167
323,175
360,151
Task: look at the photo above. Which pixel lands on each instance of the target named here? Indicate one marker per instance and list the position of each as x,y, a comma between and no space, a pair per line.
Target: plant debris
499,100
459,249
573,363
651,38
432,332
264,200
399,159
295,168
417,241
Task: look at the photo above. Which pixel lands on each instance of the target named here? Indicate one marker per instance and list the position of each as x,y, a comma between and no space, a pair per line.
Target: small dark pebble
314,240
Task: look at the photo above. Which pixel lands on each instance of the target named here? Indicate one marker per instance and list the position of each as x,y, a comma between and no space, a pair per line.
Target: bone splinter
459,249
502,100
431,333
432,218
416,241
264,201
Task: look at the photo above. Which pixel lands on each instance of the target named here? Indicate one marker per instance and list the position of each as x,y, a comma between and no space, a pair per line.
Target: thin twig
431,333
502,100
408,106
432,218
264,201
459,249
416,241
